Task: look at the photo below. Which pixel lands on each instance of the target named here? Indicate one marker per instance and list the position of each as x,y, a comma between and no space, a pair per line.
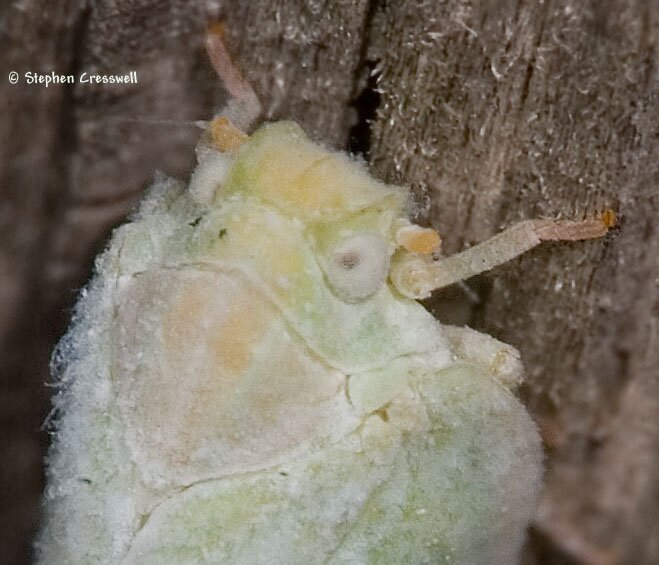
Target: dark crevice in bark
366,105
366,99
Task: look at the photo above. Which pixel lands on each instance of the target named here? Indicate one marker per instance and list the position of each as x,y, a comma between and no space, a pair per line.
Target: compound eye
358,266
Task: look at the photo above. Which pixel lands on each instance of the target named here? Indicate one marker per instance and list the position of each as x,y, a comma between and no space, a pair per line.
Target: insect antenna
199,124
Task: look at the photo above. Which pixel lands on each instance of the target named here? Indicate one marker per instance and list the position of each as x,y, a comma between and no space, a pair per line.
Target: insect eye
358,266
348,260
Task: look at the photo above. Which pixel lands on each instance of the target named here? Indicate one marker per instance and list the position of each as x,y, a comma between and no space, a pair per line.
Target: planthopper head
318,234
354,223
357,225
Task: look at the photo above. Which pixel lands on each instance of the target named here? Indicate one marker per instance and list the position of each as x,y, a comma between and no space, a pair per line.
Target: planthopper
249,378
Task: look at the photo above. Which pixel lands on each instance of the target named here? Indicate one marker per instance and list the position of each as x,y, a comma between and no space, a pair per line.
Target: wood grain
493,111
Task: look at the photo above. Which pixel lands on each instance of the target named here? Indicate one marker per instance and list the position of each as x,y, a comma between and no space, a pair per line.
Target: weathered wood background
493,111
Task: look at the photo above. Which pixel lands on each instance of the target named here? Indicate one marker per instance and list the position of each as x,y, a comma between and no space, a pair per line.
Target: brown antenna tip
216,28
609,218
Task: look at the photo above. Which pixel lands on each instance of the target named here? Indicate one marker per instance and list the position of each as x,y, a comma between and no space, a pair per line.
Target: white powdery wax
243,383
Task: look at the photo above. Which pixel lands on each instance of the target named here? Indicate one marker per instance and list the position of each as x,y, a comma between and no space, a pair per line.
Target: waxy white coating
227,396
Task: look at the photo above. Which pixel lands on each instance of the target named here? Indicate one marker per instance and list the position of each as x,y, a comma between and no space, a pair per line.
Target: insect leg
500,360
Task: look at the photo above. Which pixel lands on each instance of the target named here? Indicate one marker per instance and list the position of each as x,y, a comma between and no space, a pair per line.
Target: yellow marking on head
281,166
226,136
416,239
314,187
311,187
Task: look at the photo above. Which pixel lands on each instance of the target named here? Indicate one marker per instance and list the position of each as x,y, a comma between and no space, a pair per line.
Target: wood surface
492,111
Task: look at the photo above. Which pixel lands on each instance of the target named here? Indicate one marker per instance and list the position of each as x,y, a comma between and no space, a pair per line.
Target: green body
241,384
